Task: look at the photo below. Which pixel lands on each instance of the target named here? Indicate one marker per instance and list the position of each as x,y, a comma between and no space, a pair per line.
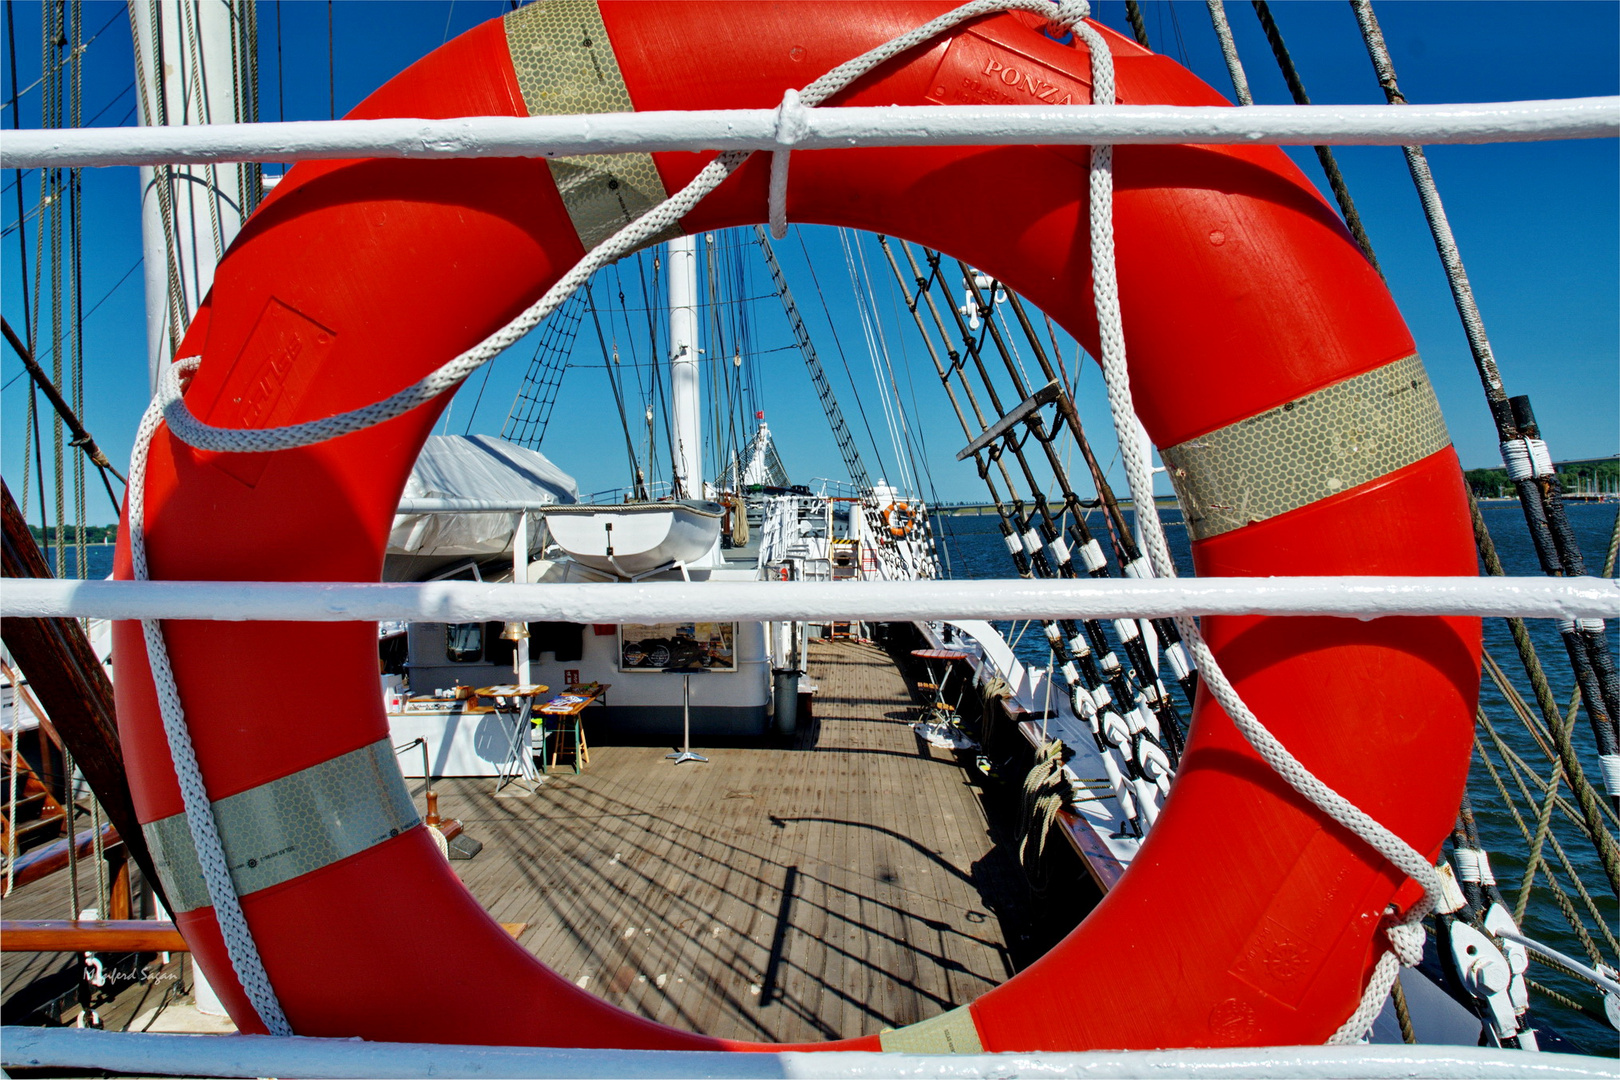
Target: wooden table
564,707
515,703
947,657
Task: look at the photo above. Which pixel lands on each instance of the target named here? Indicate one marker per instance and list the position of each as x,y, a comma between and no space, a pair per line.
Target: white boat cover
474,467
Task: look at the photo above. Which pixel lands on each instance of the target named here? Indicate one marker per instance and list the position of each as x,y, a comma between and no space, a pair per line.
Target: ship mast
188,65
686,413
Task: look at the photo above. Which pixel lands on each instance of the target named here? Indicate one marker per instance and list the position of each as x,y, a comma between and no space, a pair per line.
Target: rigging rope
611,361
1229,53
1569,760
1133,13
1324,154
877,352
838,344
1522,450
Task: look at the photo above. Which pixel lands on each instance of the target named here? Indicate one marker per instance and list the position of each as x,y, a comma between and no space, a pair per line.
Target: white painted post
520,574
686,392
197,87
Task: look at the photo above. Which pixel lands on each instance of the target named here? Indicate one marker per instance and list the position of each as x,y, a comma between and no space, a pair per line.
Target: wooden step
30,800
39,824
48,858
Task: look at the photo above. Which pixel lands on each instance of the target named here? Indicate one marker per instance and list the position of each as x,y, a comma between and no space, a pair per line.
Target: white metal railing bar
261,1055
904,601
799,128
428,504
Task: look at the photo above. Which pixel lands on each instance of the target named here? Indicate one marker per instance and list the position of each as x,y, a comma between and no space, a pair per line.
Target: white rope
1609,764
790,126
239,945
1527,459
1405,936
168,406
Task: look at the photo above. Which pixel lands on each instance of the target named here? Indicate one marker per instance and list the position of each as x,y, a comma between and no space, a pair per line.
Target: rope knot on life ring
902,519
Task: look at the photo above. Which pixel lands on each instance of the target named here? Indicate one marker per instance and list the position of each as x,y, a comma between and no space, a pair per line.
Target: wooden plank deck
831,889
29,980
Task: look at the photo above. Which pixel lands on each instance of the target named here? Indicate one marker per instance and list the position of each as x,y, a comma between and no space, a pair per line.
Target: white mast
686,413
186,74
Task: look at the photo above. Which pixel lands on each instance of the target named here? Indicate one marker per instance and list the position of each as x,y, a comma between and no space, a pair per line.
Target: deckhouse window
464,642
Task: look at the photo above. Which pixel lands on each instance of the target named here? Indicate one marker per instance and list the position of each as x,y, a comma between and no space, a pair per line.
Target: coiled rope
1045,793
168,406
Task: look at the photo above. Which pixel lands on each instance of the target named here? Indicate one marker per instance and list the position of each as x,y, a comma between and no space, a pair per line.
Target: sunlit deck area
836,887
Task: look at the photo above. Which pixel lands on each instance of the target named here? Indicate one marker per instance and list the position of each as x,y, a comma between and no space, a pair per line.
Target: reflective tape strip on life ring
1271,363
289,827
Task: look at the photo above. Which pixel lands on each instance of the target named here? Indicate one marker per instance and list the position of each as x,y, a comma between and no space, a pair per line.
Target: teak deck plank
886,844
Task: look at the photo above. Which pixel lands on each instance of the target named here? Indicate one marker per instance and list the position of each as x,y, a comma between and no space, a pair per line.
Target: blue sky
1538,223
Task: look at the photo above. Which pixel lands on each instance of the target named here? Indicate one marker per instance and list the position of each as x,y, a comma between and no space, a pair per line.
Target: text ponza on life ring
1267,359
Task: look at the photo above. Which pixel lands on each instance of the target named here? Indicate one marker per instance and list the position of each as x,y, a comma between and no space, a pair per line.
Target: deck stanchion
685,753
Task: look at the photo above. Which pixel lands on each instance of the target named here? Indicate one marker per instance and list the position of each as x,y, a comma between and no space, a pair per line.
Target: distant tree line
93,534
1490,483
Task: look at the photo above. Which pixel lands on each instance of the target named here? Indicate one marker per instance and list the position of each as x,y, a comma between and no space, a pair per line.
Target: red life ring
901,519
1248,918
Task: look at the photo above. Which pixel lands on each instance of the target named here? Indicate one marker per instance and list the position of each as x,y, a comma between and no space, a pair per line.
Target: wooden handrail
101,935
110,935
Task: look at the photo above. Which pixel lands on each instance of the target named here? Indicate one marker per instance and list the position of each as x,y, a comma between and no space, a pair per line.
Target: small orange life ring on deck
1269,294
901,519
